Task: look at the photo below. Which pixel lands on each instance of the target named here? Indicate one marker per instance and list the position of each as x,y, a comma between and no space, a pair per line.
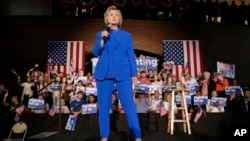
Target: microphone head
108,27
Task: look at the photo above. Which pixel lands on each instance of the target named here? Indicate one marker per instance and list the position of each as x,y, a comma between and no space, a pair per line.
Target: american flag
186,54
66,56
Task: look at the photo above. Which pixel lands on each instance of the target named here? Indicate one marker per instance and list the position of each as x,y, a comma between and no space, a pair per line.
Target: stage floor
124,136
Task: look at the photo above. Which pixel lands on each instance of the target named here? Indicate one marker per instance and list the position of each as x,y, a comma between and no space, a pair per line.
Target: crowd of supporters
74,87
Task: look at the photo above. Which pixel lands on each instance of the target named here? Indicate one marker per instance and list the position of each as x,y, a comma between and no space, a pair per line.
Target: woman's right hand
104,34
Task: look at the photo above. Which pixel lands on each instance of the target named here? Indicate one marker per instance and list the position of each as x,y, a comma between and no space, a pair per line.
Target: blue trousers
124,88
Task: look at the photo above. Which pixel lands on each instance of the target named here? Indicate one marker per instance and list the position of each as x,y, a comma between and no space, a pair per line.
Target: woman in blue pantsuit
116,65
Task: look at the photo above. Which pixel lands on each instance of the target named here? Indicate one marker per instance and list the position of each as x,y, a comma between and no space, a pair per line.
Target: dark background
27,26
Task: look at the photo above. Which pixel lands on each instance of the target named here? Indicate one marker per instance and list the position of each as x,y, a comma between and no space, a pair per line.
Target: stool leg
183,116
172,113
186,113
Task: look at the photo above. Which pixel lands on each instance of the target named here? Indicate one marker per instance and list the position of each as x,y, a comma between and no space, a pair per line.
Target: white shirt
154,105
27,88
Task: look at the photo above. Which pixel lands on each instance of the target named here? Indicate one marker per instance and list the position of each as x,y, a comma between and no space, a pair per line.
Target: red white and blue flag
65,56
186,55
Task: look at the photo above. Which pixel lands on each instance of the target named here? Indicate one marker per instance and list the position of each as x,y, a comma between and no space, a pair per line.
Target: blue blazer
116,57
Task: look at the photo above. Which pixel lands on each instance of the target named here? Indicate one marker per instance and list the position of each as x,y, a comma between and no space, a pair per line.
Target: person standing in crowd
220,84
214,108
247,100
76,105
116,66
27,89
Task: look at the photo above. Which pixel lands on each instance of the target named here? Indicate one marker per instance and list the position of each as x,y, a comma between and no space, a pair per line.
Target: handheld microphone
108,30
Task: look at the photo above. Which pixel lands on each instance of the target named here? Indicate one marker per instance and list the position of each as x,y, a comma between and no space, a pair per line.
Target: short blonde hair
207,73
107,12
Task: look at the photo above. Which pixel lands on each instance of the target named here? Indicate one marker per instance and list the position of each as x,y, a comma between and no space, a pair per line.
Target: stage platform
212,127
124,136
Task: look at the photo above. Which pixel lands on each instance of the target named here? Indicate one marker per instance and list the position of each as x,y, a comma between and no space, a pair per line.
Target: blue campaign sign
193,87
91,91
89,109
233,89
142,88
147,63
56,87
188,99
178,99
71,123
168,87
200,100
36,104
218,101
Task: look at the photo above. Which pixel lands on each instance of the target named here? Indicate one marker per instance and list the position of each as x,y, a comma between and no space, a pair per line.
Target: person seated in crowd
141,103
45,107
13,104
235,103
76,105
214,108
114,104
64,107
144,80
156,80
91,107
167,104
162,75
92,100
170,84
150,75
196,111
154,102
80,86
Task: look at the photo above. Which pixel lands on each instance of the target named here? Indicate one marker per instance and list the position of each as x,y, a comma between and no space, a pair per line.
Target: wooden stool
184,112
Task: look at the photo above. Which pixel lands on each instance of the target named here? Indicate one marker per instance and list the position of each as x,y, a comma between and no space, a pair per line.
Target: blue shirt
77,105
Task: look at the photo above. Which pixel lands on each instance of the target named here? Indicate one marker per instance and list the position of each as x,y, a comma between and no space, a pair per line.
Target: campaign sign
233,89
91,91
36,104
146,63
142,88
94,62
200,100
192,87
218,101
155,87
89,109
56,87
82,78
80,89
168,87
178,99
71,123
227,69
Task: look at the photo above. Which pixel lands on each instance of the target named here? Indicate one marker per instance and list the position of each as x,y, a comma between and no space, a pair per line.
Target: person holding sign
116,66
214,108
76,105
